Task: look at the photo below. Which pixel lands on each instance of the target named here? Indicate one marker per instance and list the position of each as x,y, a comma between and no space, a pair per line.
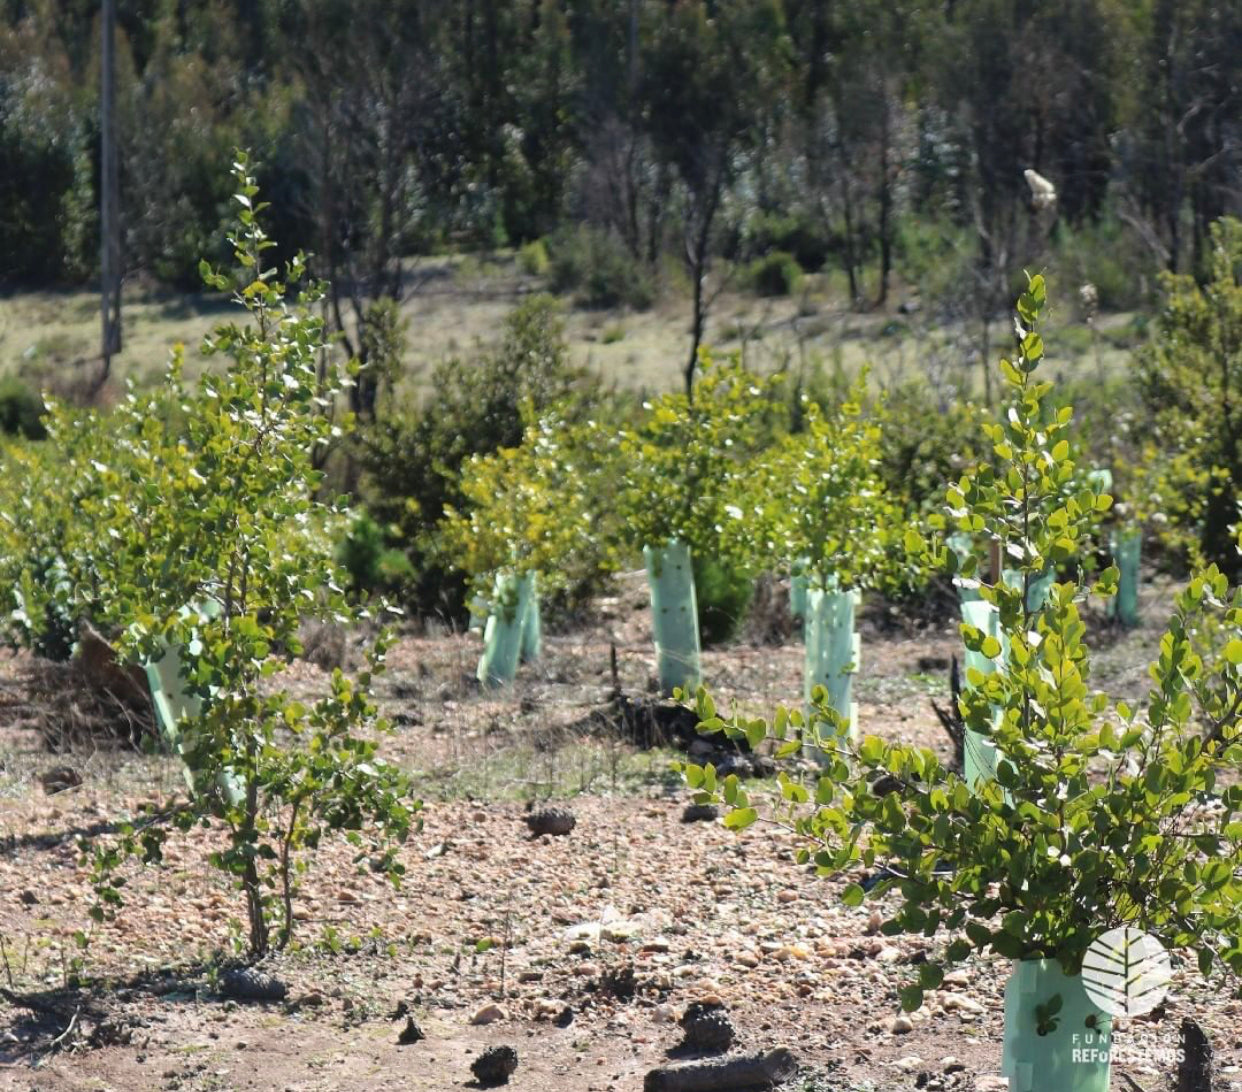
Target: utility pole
109,203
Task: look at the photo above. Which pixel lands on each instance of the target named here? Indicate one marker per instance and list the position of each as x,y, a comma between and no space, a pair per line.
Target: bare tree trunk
697,254
849,254
886,200
109,212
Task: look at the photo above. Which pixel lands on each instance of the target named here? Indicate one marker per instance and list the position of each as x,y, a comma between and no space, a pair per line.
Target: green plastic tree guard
1126,546
1072,1055
674,615
798,583
980,752
963,545
1101,480
176,709
479,610
502,637
532,630
1037,593
833,650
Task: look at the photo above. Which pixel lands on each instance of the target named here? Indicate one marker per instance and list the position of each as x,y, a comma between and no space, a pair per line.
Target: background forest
876,138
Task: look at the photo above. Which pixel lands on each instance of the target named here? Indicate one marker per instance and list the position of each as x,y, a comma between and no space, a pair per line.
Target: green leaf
741,818
853,895
911,998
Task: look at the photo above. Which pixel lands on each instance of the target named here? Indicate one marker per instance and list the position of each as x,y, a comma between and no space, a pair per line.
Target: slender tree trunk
110,216
250,875
886,200
696,326
849,253
1172,159
698,252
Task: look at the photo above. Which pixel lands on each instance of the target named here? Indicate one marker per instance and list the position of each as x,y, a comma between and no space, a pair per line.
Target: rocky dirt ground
580,952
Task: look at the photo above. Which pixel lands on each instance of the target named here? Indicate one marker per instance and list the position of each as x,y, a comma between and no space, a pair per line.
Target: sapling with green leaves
687,490
527,512
1101,814
827,516
206,536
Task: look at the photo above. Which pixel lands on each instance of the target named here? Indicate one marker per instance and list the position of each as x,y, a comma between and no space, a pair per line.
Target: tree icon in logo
1126,972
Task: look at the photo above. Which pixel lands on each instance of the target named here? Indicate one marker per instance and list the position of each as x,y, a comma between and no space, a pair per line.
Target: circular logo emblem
1126,972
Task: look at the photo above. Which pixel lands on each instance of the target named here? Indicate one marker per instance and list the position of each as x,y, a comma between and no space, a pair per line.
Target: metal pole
109,210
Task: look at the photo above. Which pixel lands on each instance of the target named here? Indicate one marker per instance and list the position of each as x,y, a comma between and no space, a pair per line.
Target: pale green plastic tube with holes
674,615
979,759
832,651
176,709
1070,1051
532,629
1126,546
503,634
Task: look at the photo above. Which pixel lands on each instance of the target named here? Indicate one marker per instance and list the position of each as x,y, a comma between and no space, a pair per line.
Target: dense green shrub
596,267
373,565
533,258
776,274
414,454
931,439
21,410
800,234
1106,255
1191,472
383,338
723,593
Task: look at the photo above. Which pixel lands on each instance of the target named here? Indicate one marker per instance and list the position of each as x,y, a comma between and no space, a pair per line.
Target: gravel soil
581,951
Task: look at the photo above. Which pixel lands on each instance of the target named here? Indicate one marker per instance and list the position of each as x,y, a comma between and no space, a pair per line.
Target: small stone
700,813
949,1064
901,1025
488,1014
558,821
495,1066
59,778
787,896
411,1033
707,1028
247,984
908,1064
565,1017
889,955
957,1003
